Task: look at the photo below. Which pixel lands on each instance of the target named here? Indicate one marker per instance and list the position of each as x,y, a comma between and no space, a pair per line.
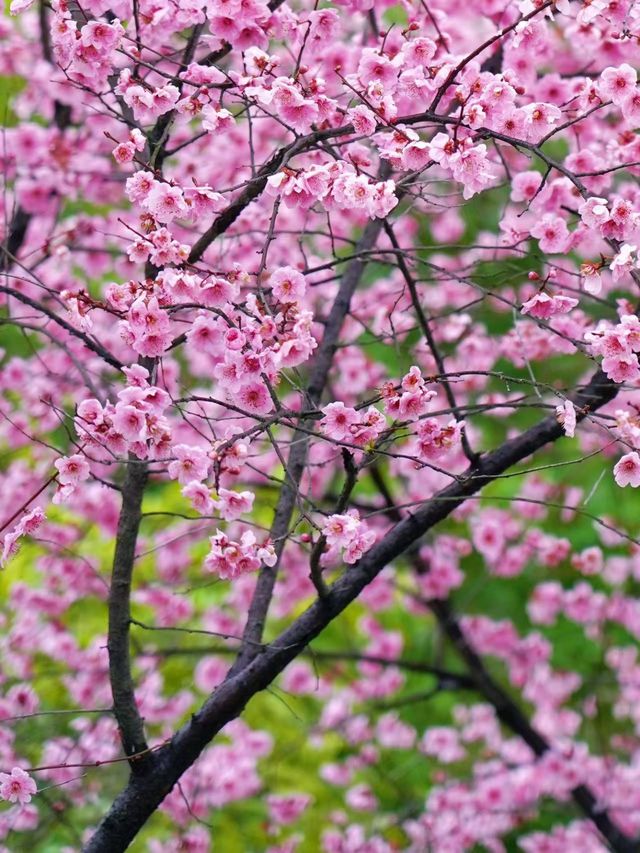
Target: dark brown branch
124,703
251,191
445,678
90,343
17,233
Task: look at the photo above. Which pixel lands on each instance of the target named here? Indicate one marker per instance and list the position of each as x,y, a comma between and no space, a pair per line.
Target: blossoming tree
319,395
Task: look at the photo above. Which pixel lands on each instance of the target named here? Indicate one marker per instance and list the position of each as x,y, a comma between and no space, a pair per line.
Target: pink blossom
27,526
254,398
594,212
540,120
623,262
627,470
18,6
124,152
543,305
616,83
199,496
216,120
288,284
17,787
525,185
232,505
229,559
472,168
338,420
374,66
622,368
552,234
363,120
166,202
349,534
72,469
434,440
189,464
566,416
361,798
131,422
286,809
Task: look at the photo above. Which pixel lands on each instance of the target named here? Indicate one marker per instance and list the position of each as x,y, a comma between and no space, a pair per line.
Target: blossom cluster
347,535
228,559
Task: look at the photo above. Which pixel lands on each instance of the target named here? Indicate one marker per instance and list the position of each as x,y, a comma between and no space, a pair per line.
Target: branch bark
125,708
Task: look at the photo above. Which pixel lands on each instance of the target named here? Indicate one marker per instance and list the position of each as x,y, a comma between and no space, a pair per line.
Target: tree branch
124,702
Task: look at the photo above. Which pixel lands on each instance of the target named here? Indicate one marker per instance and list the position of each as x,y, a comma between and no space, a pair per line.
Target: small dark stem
424,324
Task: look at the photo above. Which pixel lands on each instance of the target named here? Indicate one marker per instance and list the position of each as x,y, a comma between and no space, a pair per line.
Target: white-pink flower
287,284
166,203
543,305
199,496
17,786
594,212
349,534
72,469
616,83
566,416
190,463
232,505
627,470
338,420
27,526
552,234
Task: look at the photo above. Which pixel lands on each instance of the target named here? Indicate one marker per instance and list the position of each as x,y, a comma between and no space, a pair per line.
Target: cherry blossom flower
338,420
190,464
288,284
627,470
594,212
27,526
254,398
552,234
434,439
362,119
624,261
543,305
348,534
229,559
17,786
286,809
566,415
72,470
166,202
232,505
616,83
